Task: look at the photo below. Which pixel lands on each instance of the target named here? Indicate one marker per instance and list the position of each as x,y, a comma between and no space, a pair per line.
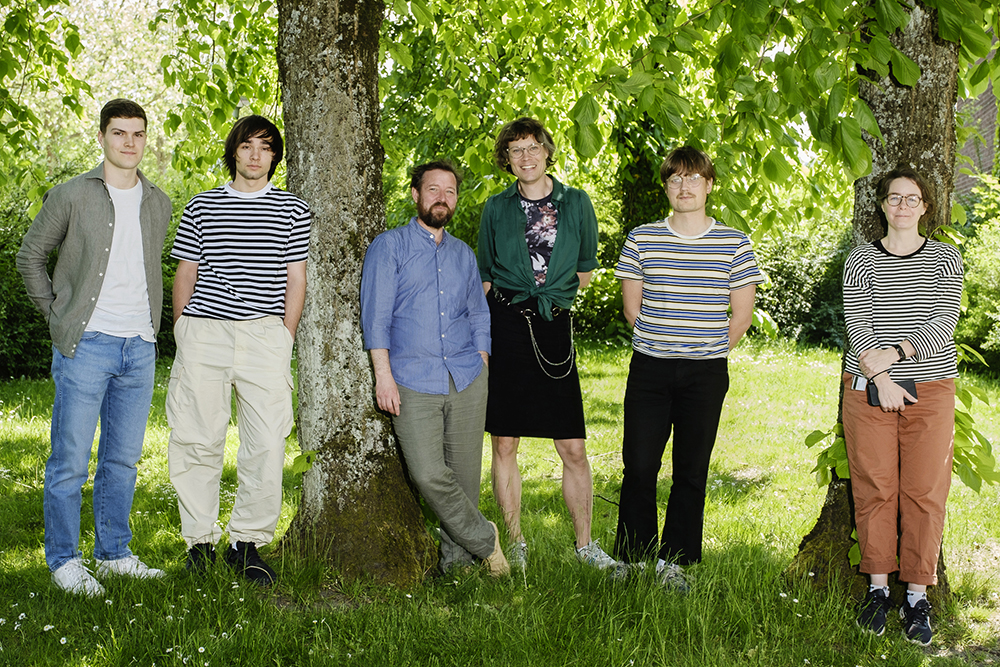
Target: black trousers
685,395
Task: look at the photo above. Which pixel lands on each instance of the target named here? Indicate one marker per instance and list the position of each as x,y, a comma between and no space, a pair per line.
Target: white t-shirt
122,307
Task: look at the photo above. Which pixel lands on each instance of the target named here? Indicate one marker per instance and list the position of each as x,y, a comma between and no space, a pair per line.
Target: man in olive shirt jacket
102,304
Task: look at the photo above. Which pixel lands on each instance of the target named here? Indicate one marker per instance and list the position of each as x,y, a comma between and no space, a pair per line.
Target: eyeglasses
693,180
912,201
518,151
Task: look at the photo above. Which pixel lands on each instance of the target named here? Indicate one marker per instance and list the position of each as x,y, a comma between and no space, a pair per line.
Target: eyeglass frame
517,151
691,179
904,198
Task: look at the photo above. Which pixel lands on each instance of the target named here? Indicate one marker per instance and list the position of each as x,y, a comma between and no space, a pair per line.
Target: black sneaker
873,610
245,560
200,557
917,621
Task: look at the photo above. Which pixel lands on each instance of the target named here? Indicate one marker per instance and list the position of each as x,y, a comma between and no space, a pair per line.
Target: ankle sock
913,597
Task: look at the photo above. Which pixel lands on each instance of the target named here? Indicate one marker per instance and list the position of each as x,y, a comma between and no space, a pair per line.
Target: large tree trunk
918,125
357,509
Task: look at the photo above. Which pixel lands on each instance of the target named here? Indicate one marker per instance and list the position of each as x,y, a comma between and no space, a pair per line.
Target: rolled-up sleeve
587,260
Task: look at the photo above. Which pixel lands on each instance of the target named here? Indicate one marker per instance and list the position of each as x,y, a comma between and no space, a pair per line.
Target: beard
436,216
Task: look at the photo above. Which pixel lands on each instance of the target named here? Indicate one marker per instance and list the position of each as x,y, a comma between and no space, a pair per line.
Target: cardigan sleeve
588,236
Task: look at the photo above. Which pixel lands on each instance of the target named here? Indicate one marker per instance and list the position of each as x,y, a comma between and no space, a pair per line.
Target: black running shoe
873,610
917,621
200,557
245,560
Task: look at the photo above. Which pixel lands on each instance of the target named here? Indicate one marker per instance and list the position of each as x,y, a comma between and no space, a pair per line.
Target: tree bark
918,125
357,508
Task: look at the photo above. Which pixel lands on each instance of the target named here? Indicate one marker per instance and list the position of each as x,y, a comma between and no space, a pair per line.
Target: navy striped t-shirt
243,243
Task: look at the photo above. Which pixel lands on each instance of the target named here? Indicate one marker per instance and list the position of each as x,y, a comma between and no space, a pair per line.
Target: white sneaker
592,554
74,577
130,566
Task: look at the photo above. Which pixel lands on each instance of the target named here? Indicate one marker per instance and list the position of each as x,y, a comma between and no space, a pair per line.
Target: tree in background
357,509
916,127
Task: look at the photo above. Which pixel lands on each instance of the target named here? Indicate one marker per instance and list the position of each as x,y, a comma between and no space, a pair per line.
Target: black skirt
533,393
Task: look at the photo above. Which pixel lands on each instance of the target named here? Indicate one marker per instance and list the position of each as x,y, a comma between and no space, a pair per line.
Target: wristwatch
900,351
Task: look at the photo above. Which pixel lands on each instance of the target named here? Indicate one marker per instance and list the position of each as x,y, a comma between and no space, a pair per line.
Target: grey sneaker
624,571
130,566
672,577
592,554
74,577
519,555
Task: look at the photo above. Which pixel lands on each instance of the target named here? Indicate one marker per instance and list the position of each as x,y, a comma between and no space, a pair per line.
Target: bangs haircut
687,160
251,127
417,173
911,174
522,128
121,108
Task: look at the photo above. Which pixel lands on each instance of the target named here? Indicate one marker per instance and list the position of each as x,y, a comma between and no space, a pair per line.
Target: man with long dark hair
238,295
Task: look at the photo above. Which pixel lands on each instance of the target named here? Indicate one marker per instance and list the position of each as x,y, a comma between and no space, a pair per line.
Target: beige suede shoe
497,562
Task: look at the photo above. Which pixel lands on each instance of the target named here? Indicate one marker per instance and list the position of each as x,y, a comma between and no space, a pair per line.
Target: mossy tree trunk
918,125
357,509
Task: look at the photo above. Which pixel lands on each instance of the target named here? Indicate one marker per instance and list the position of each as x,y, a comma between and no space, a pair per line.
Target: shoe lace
918,614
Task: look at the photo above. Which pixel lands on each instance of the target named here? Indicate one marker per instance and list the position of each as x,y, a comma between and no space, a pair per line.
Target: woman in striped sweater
901,302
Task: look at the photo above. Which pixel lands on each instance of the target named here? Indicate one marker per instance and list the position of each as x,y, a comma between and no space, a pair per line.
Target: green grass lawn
742,611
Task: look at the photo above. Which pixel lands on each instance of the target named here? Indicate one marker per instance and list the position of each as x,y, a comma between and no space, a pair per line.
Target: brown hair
417,173
121,108
520,129
687,160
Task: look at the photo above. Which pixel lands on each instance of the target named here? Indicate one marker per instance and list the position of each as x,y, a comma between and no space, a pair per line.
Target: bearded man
427,327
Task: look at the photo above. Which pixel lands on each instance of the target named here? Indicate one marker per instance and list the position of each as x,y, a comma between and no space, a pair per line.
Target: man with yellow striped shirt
680,276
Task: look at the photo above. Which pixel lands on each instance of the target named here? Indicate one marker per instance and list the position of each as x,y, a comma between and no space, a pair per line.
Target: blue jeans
112,378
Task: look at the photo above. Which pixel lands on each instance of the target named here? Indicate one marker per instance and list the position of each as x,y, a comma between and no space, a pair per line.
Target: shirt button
442,314
442,335
446,358
107,249
100,274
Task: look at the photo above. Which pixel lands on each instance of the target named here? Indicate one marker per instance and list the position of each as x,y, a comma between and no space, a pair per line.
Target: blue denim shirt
424,303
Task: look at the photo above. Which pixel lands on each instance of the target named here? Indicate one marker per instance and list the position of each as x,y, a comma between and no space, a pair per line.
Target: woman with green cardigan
537,247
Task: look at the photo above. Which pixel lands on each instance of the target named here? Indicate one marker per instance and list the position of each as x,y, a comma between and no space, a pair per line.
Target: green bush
804,294
979,326
25,346
597,311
